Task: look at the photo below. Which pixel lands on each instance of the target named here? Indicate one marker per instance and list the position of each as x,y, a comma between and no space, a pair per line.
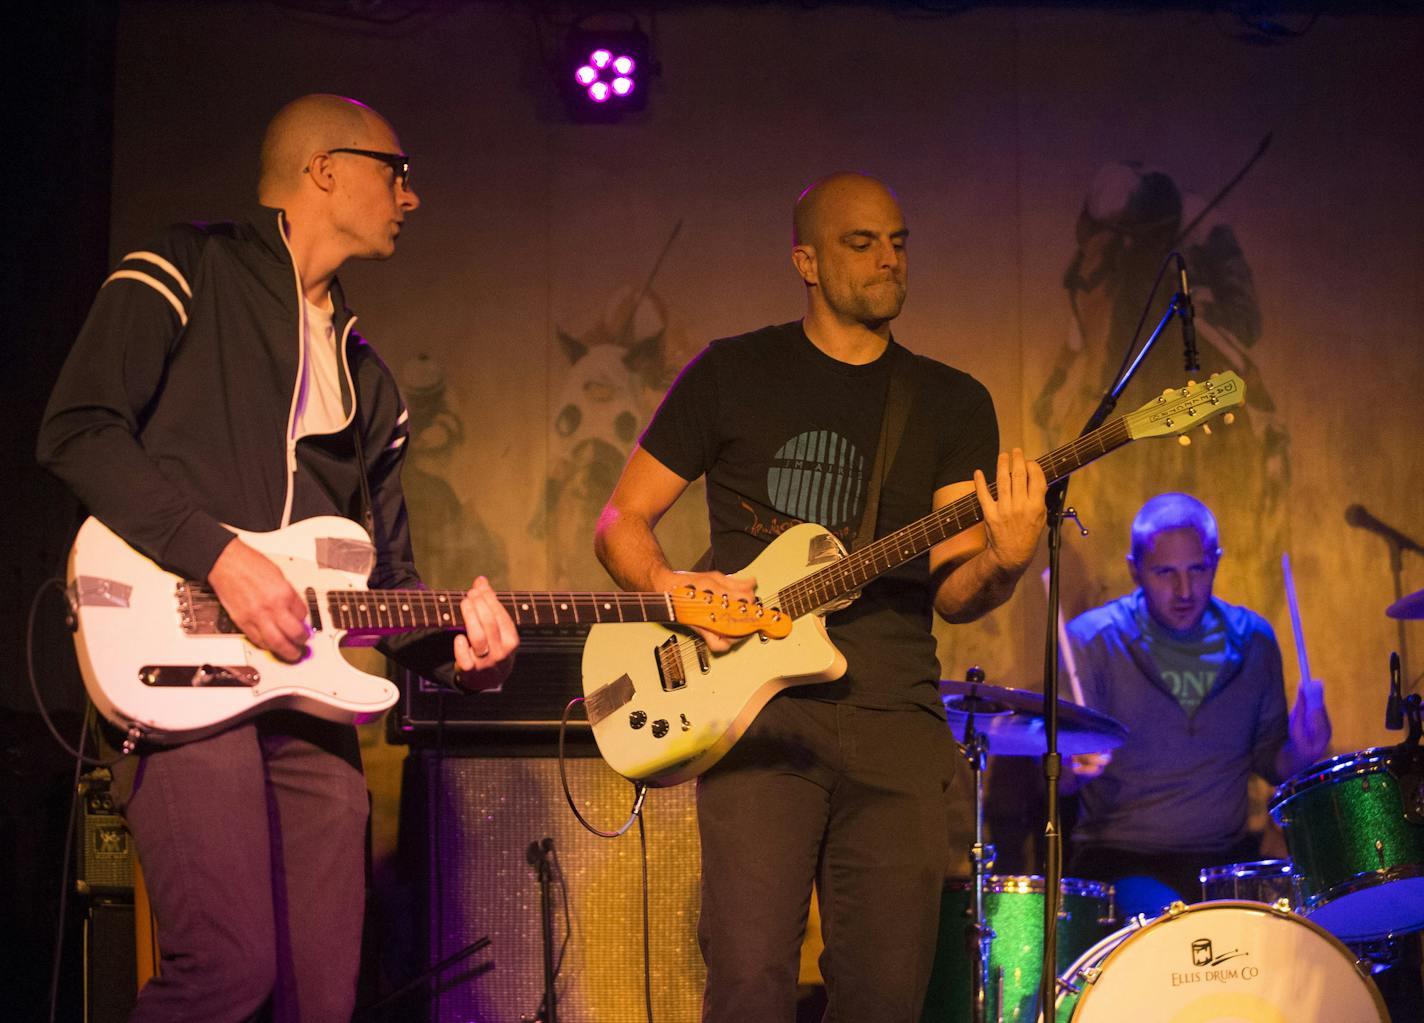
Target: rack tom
1354,825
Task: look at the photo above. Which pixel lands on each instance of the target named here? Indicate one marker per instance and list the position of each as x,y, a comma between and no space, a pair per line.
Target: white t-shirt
319,406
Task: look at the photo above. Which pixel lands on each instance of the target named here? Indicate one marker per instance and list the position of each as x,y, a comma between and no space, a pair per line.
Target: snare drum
1354,825
1220,962
1266,881
1013,907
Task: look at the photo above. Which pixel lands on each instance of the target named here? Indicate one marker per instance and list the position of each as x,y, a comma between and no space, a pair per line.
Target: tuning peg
1206,429
1184,440
1229,418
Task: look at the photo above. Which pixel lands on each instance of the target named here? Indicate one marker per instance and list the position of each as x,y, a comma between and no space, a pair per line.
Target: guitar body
700,720
142,668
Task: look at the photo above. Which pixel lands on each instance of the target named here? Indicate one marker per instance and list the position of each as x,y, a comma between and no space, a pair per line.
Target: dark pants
252,848
855,800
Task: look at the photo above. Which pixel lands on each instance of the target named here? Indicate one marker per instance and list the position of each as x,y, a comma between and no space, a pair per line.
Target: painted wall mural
1047,160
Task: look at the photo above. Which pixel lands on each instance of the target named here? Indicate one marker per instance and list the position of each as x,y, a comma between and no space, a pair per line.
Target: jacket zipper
291,439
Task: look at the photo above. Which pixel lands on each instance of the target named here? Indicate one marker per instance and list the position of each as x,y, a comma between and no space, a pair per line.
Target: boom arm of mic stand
1056,501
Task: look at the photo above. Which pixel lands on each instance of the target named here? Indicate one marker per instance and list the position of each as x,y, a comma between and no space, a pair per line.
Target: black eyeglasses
397,162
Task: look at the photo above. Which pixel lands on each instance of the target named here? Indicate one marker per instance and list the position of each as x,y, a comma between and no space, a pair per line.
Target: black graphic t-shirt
785,434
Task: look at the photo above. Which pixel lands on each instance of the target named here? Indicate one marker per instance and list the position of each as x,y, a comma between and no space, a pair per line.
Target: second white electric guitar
664,708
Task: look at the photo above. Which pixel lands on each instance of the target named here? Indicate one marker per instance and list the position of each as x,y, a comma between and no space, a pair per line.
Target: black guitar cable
640,793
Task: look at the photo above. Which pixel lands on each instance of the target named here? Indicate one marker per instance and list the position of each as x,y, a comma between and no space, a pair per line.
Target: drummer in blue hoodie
1199,685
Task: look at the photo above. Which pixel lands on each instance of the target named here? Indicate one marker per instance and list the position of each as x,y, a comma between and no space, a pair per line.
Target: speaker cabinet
110,984
473,820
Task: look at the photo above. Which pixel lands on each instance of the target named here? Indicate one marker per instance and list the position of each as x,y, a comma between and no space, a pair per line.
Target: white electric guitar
664,708
162,660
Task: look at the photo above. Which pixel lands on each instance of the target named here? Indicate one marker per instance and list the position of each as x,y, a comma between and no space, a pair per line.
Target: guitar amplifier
546,676
106,859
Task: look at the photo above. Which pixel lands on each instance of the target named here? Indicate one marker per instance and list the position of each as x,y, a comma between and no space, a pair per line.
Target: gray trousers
856,800
252,844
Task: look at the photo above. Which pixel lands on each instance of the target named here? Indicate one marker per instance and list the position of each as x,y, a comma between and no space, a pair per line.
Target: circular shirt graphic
817,476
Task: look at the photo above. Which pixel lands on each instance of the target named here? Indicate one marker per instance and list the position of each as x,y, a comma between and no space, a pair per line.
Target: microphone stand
1056,501
539,856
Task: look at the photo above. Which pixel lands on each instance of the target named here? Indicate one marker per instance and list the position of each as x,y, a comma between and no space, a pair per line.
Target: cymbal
1411,606
1012,719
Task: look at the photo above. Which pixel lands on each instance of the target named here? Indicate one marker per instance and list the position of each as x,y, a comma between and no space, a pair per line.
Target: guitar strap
892,428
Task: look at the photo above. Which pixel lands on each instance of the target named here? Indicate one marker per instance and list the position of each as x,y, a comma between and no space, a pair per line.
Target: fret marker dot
563,607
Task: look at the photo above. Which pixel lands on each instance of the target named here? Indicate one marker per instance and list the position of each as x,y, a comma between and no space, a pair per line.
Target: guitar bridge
199,676
199,613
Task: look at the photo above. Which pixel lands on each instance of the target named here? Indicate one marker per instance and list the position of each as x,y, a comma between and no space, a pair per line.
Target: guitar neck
386,612
850,573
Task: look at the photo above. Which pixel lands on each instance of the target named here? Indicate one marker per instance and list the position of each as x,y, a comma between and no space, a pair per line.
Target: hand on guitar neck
738,588
484,652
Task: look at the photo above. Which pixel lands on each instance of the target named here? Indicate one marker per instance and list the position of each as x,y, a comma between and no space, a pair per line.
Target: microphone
538,850
1394,709
1188,315
1356,516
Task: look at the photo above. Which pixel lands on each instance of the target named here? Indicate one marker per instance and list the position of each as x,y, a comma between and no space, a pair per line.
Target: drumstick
1306,681
1066,649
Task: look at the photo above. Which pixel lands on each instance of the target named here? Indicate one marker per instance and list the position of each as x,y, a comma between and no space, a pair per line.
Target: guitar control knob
637,719
660,728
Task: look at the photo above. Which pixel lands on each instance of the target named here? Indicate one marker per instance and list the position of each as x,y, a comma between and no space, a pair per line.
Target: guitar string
828,584
810,592
824,586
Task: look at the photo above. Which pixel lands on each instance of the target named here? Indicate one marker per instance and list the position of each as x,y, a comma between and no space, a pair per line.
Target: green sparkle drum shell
1013,907
1354,825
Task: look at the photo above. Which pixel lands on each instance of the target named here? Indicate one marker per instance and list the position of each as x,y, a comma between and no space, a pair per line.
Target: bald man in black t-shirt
842,783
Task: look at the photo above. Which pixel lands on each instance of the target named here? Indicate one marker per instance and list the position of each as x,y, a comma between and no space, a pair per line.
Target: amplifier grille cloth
481,816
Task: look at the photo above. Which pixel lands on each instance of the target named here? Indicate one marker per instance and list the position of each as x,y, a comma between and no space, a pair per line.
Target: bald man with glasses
218,383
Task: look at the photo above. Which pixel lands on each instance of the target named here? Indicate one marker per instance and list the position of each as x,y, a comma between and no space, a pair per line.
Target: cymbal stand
979,934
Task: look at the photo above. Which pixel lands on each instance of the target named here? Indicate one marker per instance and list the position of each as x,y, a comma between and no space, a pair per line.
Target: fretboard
390,611
850,573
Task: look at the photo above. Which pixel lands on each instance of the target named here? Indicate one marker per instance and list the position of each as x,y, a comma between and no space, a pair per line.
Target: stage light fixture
605,73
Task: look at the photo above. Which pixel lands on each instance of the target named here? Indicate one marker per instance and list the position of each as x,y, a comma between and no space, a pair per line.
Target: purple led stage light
605,72
606,75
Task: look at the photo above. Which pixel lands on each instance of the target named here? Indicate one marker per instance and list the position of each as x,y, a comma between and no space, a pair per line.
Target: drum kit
1272,940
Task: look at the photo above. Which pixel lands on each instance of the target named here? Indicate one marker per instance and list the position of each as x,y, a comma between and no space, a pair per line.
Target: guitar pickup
670,670
198,676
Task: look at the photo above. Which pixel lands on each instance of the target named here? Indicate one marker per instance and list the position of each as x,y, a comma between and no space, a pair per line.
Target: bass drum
1220,962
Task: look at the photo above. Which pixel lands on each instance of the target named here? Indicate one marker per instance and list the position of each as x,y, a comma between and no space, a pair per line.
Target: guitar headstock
1182,409
729,616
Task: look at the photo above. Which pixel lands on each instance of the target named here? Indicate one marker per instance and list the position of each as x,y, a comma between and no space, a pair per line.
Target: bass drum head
1229,962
